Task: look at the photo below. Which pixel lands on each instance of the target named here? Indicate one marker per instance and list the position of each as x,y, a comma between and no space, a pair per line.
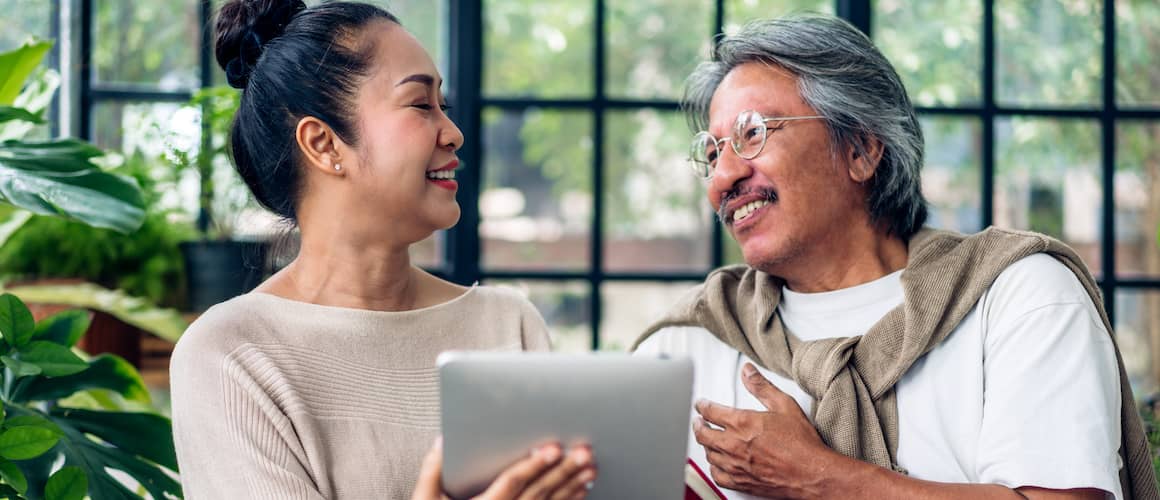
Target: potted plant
219,265
55,442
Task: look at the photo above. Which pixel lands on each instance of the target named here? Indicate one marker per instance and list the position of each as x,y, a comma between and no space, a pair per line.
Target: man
930,364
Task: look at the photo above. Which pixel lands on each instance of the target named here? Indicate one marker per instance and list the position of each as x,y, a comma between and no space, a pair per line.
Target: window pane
426,20
1137,185
1137,42
656,214
154,43
1049,52
950,177
565,307
536,203
541,49
24,19
739,12
1138,334
935,46
630,307
653,45
1048,180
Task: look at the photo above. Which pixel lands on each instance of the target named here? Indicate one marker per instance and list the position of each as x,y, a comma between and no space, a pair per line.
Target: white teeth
441,174
747,209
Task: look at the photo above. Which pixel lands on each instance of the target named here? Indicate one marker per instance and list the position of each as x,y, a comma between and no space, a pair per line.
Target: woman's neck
336,273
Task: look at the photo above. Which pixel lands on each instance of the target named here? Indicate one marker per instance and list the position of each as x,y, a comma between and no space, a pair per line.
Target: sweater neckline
326,309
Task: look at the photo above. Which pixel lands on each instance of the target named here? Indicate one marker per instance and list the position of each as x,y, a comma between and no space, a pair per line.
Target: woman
322,383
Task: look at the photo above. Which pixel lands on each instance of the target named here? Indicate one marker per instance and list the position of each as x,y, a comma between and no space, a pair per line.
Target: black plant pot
217,271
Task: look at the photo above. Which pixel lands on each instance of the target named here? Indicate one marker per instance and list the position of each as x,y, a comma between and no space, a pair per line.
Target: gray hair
842,76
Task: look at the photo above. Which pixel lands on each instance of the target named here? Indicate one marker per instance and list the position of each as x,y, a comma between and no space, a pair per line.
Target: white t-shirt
1025,392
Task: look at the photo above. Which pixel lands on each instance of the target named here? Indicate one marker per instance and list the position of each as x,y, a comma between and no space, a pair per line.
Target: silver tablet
633,410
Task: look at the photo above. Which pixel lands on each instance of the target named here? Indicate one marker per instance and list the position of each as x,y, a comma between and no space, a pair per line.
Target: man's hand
775,453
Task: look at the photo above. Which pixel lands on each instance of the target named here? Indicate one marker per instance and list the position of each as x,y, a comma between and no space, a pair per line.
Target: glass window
1137,42
1138,336
1137,185
154,43
950,176
739,12
656,216
630,307
653,45
541,49
565,307
22,20
1048,181
936,47
1049,52
535,204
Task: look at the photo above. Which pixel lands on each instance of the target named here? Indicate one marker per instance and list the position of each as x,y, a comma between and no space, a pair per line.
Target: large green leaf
20,368
34,420
143,434
16,323
12,475
165,323
24,442
106,371
58,178
68,483
9,113
93,458
14,223
64,328
54,360
16,66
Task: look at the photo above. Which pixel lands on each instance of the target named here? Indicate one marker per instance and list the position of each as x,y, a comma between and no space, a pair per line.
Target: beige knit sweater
278,399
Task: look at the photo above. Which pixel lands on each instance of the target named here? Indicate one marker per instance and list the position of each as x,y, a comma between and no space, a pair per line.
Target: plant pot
106,333
217,271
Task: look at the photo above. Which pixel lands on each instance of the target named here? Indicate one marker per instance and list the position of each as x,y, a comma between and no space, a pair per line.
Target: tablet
633,410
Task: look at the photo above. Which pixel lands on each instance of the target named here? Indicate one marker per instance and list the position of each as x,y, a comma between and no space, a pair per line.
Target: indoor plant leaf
16,323
164,323
24,442
93,458
20,368
91,196
68,483
64,328
10,113
15,67
105,371
34,420
144,434
54,360
12,475
14,223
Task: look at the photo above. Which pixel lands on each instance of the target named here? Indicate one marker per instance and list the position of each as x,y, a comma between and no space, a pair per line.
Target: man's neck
843,266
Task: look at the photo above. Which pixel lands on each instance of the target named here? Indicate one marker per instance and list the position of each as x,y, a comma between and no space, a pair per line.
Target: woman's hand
546,474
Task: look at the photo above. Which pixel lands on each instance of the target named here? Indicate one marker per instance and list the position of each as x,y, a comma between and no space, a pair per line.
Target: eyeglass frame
711,166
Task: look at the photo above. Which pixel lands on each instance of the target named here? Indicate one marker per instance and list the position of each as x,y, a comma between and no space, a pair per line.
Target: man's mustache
723,217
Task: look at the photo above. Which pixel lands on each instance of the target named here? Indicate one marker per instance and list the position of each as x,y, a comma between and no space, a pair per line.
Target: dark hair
290,62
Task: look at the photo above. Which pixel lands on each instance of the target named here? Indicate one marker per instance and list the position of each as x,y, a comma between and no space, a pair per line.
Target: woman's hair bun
244,27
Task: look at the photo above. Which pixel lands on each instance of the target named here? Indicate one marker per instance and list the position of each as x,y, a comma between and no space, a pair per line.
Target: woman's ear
320,146
864,162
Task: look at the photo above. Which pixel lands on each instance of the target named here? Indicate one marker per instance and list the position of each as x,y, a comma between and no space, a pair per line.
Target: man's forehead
767,89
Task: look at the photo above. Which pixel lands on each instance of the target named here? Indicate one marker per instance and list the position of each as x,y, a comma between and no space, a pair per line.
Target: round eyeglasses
748,139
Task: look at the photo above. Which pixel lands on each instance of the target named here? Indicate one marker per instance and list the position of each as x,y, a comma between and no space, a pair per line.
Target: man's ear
320,146
864,163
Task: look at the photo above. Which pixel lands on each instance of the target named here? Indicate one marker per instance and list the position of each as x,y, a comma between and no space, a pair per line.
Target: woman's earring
337,167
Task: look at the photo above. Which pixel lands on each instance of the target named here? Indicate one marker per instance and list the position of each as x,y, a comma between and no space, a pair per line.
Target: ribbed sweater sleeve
233,440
